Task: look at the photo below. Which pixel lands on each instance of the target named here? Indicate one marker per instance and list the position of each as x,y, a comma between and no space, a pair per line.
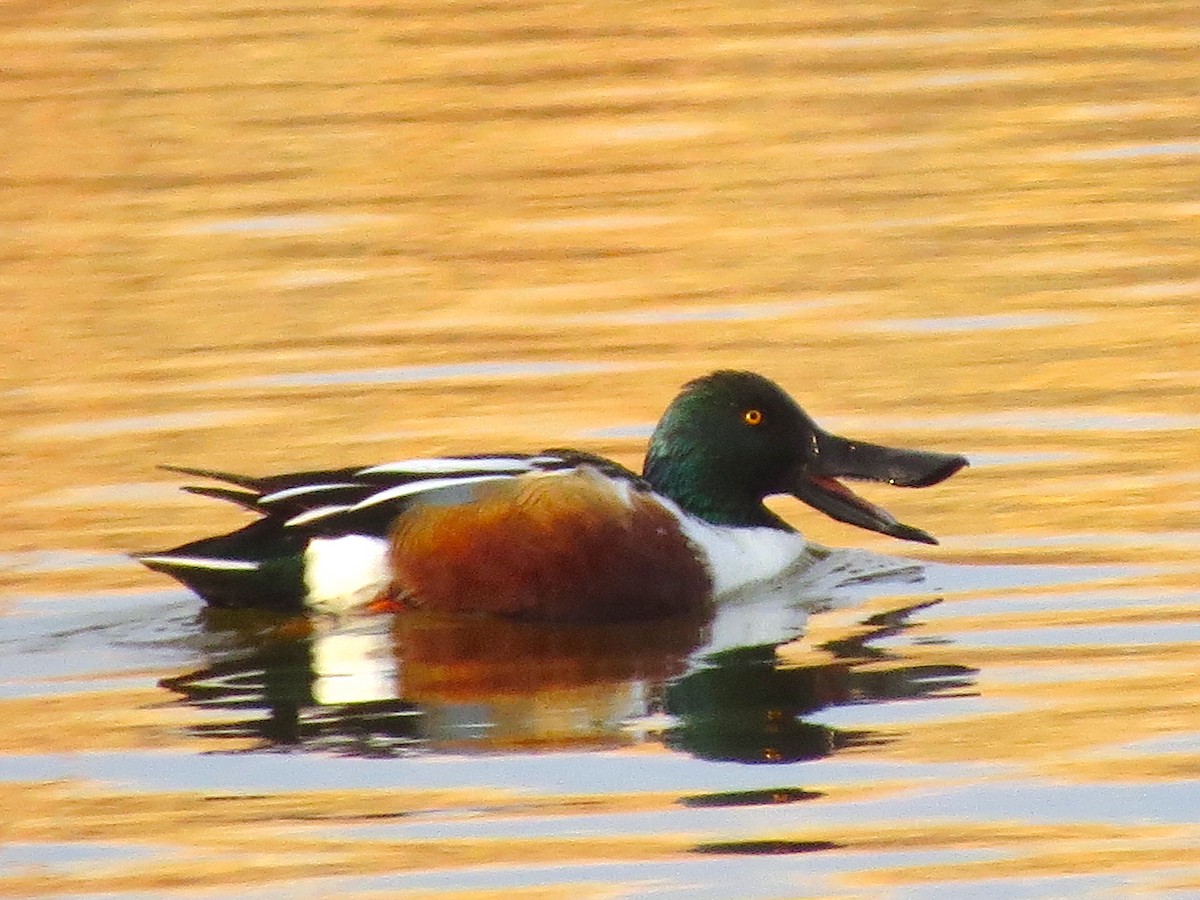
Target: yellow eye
752,417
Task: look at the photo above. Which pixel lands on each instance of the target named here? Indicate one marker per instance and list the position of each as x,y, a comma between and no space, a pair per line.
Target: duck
560,535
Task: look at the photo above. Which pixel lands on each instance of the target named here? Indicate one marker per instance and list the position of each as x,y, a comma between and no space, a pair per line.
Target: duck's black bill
831,457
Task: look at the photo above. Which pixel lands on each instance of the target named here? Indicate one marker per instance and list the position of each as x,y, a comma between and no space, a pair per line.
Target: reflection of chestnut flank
548,546
475,659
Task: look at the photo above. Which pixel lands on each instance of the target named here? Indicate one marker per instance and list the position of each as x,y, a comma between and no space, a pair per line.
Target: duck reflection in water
710,684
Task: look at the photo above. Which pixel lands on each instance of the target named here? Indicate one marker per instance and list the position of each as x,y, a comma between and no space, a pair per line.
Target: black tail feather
275,580
244,499
229,478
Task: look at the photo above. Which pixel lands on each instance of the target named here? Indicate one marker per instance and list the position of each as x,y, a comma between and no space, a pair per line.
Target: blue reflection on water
1127,634
81,640
417,374
15,855
1139,151
532,773
993,322
279,224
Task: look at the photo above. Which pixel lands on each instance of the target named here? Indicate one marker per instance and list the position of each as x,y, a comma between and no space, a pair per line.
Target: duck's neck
698,484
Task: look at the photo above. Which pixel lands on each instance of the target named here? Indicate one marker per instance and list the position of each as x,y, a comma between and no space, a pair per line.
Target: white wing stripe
401,490
446,465
428,484
200,562
312,515
544,460
288,493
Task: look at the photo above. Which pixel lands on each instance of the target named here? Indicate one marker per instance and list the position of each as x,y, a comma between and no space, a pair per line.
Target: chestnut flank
570,546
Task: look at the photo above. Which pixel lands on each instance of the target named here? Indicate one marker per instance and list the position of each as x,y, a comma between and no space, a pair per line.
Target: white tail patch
200,562
446,465
345,572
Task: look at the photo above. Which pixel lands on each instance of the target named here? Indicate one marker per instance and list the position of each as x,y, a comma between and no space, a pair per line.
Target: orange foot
388,600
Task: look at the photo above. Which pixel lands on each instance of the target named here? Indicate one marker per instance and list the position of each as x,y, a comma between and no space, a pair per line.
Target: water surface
261,239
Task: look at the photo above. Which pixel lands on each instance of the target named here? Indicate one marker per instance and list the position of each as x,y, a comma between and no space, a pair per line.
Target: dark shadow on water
262,686
769,797
765,848
744,706
711,686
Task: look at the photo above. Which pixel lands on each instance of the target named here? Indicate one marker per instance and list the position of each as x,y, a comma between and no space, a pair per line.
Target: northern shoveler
561,534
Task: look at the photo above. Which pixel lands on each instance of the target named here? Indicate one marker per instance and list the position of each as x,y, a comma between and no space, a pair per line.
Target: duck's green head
731,439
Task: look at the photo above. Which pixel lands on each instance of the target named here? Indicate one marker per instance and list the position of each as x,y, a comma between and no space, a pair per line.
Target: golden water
310,234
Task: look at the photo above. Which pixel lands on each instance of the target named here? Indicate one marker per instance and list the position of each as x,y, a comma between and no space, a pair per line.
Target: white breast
738,556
